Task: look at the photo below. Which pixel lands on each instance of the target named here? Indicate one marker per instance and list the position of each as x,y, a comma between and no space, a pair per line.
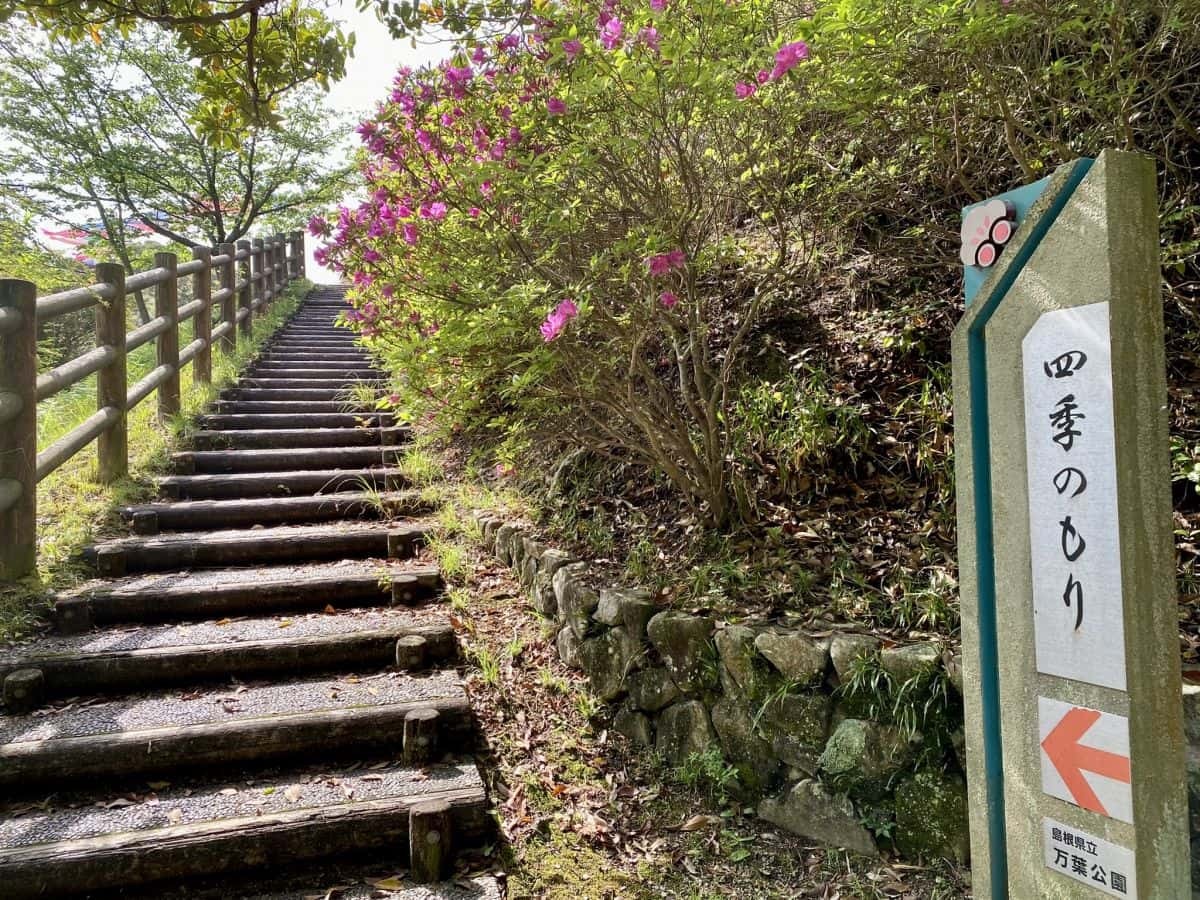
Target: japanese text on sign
1074,543
1089,859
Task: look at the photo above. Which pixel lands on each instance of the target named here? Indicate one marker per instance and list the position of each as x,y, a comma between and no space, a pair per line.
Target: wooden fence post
246,294
302,261
112,382
18,429
281,272
202,323
166,306
229,301
260,276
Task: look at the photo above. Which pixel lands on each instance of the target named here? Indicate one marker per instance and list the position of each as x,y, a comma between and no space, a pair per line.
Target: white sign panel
1075,547
1108,868
1085,758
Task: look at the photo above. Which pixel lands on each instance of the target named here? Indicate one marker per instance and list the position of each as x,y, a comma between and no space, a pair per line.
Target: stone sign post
1071,664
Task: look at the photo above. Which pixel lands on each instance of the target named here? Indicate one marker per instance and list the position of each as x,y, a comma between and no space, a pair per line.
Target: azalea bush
555,242
586,232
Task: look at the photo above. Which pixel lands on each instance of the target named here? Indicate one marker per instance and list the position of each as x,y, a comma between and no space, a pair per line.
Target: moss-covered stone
744,671
684,729
575,599
844,649
863,758
931,817
795,656
635,725
810,811
912,661
753,756
685,644
797,725
652,689
607,659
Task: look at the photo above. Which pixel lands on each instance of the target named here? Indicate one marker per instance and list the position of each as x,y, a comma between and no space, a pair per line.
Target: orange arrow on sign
1071,758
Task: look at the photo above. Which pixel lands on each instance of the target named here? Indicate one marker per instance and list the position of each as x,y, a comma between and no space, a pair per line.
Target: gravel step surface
223,632
224,514
228,704
258,438
183,805
279,484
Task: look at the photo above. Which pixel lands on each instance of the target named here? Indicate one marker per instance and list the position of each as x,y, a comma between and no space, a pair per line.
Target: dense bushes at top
579,231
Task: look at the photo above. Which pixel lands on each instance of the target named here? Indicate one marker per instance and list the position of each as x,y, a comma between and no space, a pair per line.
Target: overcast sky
368,79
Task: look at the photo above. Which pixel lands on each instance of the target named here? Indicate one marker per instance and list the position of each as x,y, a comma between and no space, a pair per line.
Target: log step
163,732
146,657
228,592
220,829
275,438
279,484
255,546
289,393
155,518
214,462
309,384
283,407
293,421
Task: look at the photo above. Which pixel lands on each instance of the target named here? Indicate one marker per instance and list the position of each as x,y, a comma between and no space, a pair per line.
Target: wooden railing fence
238,280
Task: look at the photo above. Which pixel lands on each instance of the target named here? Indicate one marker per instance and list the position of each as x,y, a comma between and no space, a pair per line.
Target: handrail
238,282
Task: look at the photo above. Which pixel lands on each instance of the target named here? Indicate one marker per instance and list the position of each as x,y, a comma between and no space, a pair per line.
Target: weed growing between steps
583,815
73,509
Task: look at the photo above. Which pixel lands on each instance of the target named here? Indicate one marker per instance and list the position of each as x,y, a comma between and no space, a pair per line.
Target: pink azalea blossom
787,58
649,37
763,76
744,89
610,34
411,234
658,5
394,399
668,299
663,263
317,226
558,319
473,212
435,211
555,106
572,49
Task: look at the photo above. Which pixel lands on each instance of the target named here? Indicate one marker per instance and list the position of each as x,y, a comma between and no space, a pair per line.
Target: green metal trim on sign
989,674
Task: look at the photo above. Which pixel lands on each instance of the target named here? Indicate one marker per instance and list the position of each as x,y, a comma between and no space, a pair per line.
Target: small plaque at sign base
1107,867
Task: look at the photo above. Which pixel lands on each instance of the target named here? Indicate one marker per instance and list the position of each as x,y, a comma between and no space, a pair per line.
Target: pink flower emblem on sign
985,231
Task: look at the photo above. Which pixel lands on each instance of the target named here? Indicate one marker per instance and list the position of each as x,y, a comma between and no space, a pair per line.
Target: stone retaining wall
827,763
824,762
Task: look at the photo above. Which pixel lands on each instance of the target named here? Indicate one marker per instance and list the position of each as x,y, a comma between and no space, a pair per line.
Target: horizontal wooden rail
238,282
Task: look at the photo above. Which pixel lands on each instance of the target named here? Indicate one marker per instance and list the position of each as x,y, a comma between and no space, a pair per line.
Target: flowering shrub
602,156
575,230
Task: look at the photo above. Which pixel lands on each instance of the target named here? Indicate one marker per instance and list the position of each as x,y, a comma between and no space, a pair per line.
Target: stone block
631,607
931,817
743,670
552,560
797,657
504,542
862,758
542,595
683,729
607,659
907,663
844,649
568,647
756,762
810,811
797,725
634,725
685,644
652,689
576,601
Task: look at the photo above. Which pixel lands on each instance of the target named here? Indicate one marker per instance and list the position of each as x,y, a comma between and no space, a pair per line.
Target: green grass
73,509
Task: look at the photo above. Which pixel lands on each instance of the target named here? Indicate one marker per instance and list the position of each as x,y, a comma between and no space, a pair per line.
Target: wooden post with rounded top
112,382
18,429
